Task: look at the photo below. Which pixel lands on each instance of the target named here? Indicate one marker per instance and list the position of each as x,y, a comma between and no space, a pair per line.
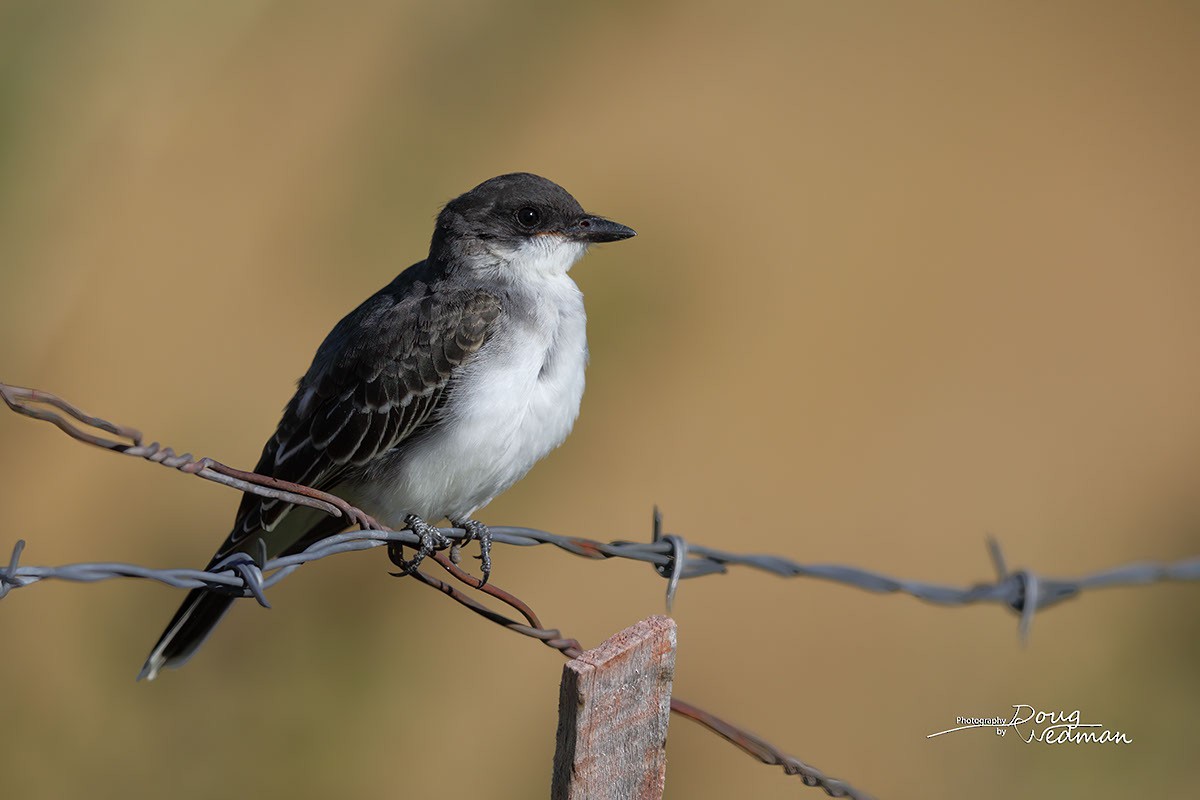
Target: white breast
514,402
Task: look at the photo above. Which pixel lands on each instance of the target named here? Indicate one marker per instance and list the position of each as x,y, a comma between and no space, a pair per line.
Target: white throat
541,256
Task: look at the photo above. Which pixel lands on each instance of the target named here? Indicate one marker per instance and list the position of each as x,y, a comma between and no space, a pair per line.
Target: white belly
515,401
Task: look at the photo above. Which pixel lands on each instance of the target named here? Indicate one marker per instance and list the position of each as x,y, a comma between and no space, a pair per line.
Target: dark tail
203,608
188,629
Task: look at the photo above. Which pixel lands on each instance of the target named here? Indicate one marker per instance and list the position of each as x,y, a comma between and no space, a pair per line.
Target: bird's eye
528,217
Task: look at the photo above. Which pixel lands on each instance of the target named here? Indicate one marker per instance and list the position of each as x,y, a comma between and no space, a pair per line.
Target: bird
435,395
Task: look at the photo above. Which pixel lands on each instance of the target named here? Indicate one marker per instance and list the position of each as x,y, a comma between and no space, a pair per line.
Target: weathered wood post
613,709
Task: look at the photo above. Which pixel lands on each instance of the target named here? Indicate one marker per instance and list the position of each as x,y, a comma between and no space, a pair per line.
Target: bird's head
518,226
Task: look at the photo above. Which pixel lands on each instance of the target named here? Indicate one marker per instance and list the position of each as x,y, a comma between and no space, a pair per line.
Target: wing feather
380,374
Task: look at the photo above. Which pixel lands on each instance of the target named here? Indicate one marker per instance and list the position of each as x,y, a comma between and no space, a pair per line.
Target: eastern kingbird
436,394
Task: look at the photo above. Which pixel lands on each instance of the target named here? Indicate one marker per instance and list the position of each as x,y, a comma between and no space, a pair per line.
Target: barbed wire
250,575
1023,591
673,557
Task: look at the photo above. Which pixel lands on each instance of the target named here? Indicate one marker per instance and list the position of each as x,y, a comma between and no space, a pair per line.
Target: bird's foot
431,541
476,530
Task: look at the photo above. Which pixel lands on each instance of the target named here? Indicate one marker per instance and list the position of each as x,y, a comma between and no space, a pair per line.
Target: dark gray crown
489,211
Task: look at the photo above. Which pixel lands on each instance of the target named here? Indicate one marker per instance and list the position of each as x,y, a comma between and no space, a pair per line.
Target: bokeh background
907,274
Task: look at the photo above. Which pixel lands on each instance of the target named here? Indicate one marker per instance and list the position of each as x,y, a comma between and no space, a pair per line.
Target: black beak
598,229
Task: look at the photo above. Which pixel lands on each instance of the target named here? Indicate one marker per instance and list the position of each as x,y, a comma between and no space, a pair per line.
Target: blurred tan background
907,274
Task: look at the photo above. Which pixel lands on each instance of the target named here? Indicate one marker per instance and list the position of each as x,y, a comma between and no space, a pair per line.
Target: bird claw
476,531
432,540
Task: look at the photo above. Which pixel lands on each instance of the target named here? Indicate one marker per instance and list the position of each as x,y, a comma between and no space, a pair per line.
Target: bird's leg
477,530
432,540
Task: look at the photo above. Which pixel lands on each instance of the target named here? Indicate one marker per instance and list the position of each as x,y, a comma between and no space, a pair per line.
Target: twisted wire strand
1023,591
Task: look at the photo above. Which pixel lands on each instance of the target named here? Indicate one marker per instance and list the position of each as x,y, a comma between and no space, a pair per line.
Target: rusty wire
249,575
672,556
1023,591
744,740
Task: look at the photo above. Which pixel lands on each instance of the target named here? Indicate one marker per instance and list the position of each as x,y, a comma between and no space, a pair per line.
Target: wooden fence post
613,709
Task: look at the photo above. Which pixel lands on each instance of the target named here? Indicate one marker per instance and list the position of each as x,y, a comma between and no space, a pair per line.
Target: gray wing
380,374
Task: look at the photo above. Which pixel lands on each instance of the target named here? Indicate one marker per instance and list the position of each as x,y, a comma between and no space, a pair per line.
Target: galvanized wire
676,559
1023,591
